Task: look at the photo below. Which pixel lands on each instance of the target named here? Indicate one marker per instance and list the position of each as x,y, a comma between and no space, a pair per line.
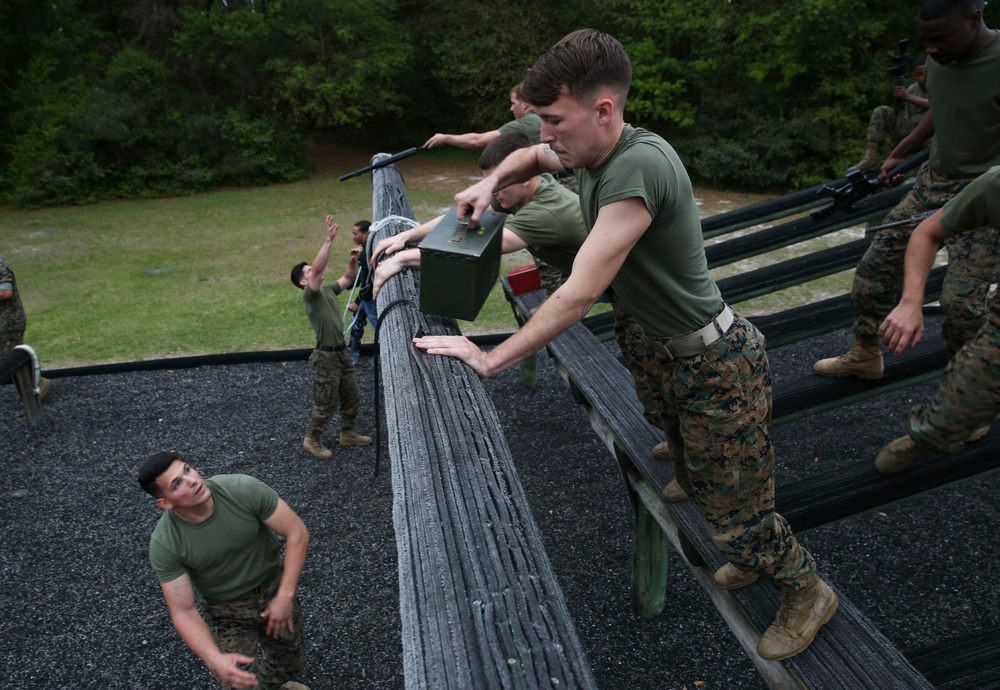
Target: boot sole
831,609
866,377
739,585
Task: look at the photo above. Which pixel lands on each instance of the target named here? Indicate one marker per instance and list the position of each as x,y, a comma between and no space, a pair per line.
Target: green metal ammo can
459,266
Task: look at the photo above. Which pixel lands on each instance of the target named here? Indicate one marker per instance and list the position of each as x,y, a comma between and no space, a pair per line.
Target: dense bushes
133,98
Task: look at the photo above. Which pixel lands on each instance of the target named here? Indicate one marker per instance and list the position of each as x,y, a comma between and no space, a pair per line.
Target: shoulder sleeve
255,495
164,559
645,172
6,274
970,209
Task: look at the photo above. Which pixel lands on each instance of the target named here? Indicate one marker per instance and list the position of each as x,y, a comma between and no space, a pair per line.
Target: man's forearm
196,635
557,313
919,259
322,256
295,558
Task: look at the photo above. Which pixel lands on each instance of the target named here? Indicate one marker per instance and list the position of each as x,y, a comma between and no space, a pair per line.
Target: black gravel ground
82,608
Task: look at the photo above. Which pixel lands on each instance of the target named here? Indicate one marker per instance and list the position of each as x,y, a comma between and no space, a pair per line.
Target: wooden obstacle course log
479,602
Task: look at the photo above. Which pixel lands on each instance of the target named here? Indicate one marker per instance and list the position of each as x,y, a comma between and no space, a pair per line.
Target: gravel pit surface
83,609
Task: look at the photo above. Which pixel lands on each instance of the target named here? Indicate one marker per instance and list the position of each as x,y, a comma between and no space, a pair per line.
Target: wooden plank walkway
479,602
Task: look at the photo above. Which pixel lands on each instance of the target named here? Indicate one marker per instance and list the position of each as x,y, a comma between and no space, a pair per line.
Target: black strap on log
378,379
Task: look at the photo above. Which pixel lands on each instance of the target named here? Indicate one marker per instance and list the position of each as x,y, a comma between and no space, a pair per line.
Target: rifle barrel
382,163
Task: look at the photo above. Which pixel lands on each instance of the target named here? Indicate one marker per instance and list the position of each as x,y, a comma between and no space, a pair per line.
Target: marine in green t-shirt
712,374
525,122
217,538
334,379
964,119
968,397
543,217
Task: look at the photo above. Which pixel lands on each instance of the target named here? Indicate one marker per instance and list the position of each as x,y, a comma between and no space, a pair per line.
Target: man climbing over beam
964,120
969,396
708,364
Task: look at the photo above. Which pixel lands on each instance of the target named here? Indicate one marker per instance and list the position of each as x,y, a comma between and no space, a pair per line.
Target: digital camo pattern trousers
334,383
9,340
969,393
630,338
886,123
237,628
716,411
972,266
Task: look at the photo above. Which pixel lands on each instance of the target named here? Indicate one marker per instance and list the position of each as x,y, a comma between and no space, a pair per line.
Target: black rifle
859,185
900,67
382,163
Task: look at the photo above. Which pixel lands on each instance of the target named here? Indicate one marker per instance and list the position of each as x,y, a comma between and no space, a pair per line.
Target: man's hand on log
457,346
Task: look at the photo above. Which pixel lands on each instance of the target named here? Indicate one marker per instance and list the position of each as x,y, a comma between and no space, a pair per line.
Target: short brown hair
584,62
501,147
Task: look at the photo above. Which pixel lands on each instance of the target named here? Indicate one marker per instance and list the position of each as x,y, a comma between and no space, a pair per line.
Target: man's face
358,236
949,39
181,486
920,75
511,197
518,107
571,130
307,271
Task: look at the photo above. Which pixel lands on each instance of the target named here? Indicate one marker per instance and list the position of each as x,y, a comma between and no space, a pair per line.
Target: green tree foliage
132,98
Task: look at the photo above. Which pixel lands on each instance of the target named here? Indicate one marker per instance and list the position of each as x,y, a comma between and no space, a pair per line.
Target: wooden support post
650,549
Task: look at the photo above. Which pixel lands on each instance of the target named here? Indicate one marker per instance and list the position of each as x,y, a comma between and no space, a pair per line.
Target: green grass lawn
119,281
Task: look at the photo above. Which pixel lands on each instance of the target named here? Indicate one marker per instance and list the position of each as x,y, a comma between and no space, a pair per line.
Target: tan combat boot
314,446
44,385
863,361
870,161
673,493
732,576
292,685
899,454
349,437
800,617
979,434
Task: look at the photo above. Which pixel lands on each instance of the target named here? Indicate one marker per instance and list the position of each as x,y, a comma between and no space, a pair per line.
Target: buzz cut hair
501,147
939,9
581,64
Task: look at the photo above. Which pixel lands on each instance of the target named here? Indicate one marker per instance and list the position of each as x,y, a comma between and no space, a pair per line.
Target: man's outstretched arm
619,226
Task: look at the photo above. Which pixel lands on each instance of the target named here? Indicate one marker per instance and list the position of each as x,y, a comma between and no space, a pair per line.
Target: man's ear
164,503
605,110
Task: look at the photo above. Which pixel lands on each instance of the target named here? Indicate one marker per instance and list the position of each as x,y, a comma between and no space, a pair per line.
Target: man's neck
197,514
533,184
986,36
618,127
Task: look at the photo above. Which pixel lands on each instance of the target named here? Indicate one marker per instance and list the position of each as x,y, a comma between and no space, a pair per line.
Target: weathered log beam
479,602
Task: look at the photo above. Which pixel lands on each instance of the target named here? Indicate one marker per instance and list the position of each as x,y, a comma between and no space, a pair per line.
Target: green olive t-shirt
551,224
529,124
323,310
965,105
664,281
230,553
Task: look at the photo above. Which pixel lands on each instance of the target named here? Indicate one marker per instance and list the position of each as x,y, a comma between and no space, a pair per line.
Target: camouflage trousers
568,180
972,266
9,340
886,123
629,337
237,628
550,277
969,394
335,383
716,409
